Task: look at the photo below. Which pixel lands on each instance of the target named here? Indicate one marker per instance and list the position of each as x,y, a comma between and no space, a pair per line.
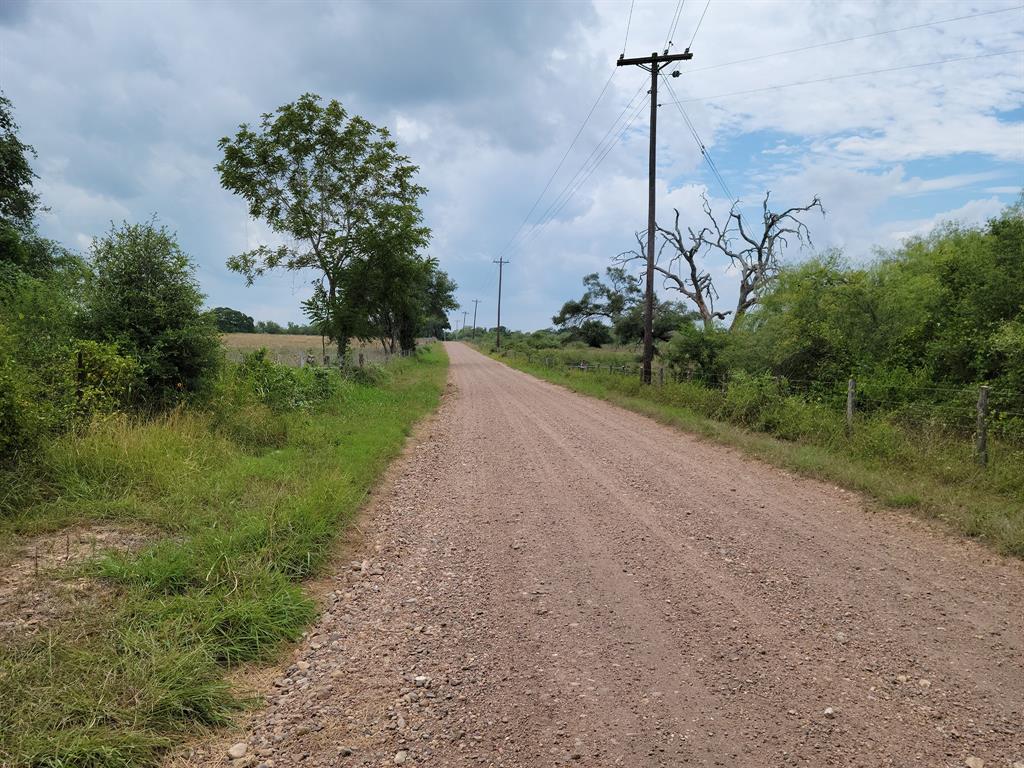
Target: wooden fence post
360,359
661,376
981,447
851,396
79,377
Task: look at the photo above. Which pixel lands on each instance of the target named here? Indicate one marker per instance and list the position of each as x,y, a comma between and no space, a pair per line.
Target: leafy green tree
18,201
697,352
332,185
438,301
232,321
144,298
668,316
609,300
269,326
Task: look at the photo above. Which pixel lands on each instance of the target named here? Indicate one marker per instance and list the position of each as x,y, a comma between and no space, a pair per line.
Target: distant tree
269,326
593,333
145,299
608,300
668,316
334,186
232,321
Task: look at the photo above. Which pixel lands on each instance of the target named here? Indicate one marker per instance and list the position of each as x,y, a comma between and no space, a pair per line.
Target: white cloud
125,103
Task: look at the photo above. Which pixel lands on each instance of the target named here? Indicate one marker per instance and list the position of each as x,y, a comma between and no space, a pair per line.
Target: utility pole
464,313
653,64
475,303
501,263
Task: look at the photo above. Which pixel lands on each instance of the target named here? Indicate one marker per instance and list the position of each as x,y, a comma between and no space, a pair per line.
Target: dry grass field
286,348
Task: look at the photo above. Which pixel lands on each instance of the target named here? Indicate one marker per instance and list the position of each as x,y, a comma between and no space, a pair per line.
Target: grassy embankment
925,470
244,504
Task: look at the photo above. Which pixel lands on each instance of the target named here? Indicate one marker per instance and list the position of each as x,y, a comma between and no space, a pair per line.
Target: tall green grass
914,465
244,499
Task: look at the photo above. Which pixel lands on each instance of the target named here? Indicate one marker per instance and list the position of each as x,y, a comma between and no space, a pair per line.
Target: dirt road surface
547,579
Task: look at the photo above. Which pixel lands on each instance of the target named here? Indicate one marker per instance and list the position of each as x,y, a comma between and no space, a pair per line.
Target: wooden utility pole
501,263
653,64
475,303
464,313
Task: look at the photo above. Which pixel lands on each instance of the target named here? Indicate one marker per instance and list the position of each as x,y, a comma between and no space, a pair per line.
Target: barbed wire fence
972,413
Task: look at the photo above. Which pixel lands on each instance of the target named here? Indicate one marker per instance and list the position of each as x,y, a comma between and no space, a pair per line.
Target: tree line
945,309
122,326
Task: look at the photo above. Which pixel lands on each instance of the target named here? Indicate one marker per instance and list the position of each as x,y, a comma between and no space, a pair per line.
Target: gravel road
546,579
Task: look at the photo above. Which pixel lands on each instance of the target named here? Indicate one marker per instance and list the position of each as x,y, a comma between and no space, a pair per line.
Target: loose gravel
547,579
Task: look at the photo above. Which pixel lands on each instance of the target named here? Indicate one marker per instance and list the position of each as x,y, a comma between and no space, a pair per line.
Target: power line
854,38
700,143
560,163
574,186
699,22
629,20
544,217
845,77
673,24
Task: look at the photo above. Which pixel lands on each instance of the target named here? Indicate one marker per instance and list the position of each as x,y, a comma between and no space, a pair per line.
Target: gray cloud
125,103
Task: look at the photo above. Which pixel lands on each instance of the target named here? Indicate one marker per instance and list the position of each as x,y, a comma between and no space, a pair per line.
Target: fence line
981,409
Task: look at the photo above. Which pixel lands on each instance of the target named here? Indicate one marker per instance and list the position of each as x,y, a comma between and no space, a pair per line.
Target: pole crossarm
654,60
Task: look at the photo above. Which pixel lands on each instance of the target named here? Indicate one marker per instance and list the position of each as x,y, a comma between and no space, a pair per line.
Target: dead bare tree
692,281
755,252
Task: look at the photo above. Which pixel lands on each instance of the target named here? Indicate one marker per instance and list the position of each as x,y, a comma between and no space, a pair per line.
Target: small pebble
238,750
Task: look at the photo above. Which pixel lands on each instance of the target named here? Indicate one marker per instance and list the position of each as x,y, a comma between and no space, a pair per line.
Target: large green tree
333,186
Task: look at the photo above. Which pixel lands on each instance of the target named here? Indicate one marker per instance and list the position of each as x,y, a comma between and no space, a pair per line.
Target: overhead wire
833,78
587,170
673,25
700,142
575,139
629,20
561,162
699,22
865,36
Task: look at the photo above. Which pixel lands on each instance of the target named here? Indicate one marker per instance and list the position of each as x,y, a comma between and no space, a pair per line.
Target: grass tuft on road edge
978,512
240,520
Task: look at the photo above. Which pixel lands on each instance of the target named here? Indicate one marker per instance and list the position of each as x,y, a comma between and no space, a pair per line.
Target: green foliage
144,298
230,320
18,201
336,186
235,531
694,352
943,309
609,301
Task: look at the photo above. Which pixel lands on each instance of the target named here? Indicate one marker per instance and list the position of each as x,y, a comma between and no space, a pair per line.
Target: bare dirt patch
37,581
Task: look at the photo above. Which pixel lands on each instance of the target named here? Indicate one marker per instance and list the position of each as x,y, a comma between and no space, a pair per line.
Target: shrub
144,298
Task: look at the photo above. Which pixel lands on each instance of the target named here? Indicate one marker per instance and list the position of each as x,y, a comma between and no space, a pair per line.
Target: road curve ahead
551,580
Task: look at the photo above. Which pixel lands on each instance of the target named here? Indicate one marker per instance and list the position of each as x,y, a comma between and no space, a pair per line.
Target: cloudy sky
125,102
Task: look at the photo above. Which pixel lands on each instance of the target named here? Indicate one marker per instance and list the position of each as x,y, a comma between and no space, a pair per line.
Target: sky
125,102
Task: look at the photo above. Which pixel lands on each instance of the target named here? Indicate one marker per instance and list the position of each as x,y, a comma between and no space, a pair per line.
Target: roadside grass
242,513
926,472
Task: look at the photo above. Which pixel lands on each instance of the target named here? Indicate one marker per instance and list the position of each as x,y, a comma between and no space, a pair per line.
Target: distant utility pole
501,263
464,313
653,64
475,303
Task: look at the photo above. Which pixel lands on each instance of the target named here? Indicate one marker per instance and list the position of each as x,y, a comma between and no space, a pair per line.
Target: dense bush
143,297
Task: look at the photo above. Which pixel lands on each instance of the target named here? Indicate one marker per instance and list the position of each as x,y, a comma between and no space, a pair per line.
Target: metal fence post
981,447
